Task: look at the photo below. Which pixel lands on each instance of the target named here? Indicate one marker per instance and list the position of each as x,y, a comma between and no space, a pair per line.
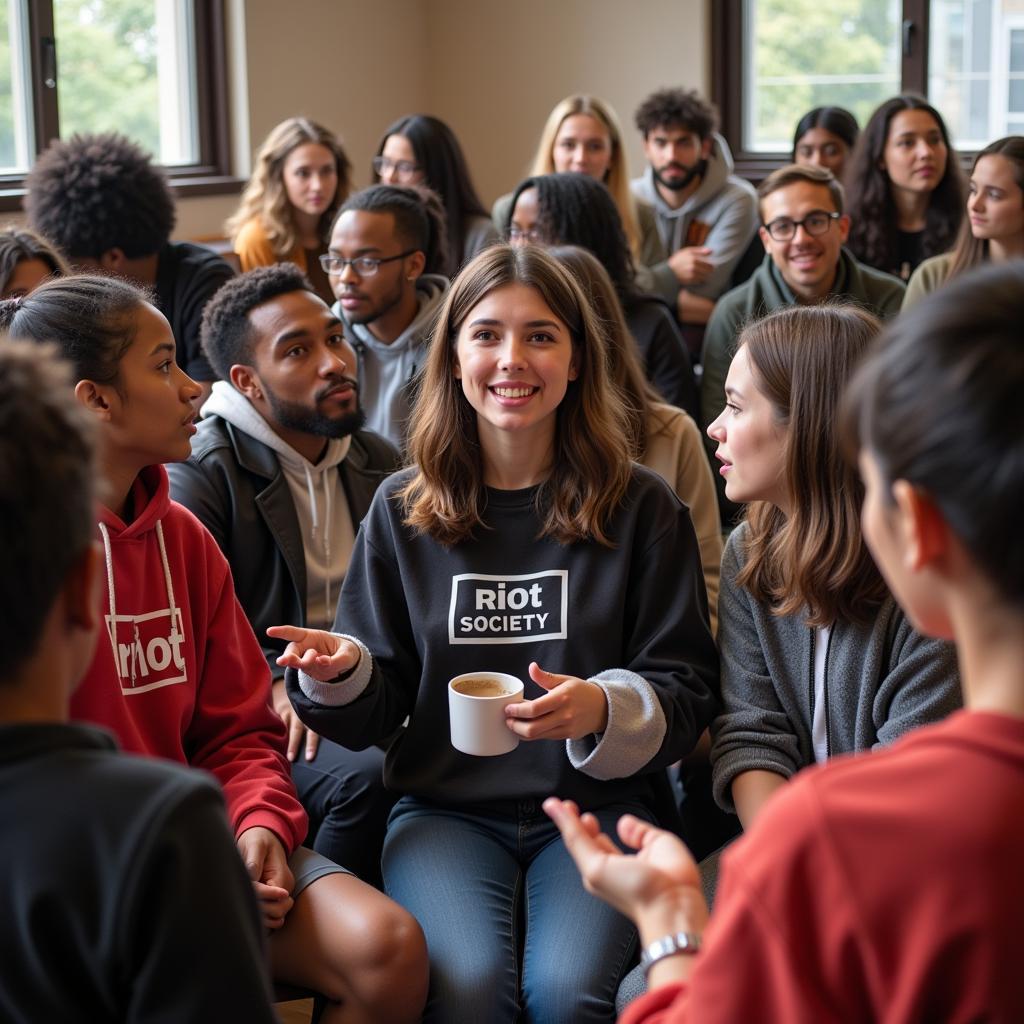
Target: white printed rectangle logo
148,650
509,609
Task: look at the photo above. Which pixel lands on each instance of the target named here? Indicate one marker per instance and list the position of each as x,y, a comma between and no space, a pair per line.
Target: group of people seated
672,451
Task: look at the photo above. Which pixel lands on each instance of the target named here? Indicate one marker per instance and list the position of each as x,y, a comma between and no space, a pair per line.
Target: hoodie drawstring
112,596
316,523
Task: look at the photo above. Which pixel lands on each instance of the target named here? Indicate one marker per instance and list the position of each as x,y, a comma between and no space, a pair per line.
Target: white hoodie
321,505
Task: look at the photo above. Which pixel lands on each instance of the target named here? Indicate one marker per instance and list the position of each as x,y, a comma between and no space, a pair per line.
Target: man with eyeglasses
385,242
803,230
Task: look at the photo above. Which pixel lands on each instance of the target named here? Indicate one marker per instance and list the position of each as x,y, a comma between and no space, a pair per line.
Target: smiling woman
521,486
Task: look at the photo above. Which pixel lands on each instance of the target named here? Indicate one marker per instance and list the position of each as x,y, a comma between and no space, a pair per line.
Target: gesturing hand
658,887
572,708
321,655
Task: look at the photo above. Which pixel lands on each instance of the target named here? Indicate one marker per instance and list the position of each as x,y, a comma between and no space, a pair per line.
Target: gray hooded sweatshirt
387,372
721,215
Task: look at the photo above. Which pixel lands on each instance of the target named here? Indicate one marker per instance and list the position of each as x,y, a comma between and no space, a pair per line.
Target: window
152,69
773,60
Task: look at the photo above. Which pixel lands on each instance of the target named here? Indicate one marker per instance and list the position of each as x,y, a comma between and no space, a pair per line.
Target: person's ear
706,147
415,265
244,379
112,261
82,589
97,398
844,228
762,233
923,533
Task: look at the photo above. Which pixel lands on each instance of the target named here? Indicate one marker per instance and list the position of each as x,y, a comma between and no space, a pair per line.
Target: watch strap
670,945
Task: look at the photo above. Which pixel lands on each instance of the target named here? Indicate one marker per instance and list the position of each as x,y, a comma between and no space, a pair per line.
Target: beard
678,184
308,420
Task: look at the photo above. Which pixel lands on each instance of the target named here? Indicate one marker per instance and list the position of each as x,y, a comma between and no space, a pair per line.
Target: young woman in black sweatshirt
521,539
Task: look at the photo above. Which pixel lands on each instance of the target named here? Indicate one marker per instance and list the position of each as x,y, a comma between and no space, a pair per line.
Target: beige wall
492,68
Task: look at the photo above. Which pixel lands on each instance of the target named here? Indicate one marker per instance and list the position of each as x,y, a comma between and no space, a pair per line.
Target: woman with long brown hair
994,229
817,657
301,177
523,539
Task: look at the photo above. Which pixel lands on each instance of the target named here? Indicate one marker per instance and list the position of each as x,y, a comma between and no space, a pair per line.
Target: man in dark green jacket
803,230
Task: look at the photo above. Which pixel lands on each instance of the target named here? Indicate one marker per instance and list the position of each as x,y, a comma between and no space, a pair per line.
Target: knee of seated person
553,991
389,950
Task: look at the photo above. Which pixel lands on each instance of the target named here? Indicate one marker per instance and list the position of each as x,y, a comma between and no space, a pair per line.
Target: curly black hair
93,193
226,333
419,219
575,209
676,108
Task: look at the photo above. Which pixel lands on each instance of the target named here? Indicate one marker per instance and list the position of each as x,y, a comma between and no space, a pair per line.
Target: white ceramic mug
478,718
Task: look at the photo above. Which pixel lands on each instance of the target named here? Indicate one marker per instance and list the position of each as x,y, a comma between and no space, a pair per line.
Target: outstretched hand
658,887
321,655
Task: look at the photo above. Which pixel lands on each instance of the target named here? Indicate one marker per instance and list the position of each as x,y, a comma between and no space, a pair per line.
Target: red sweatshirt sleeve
235,734
782,943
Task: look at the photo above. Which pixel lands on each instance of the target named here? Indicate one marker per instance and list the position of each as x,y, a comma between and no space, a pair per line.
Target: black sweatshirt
632,617
124,897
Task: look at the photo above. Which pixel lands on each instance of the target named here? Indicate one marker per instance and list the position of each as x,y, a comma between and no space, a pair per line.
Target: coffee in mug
476,707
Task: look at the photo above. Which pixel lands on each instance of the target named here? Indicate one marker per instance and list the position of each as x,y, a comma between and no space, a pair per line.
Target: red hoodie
190,683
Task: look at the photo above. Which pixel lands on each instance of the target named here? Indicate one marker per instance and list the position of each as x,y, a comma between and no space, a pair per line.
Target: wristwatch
669,945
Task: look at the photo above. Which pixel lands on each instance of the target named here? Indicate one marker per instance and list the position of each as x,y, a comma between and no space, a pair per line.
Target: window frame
727,78
211,173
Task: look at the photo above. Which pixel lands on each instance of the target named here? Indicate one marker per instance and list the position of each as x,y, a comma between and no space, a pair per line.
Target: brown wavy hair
814,561
265,197
591,468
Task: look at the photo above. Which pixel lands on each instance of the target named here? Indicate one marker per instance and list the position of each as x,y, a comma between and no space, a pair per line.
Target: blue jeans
344,795
509,926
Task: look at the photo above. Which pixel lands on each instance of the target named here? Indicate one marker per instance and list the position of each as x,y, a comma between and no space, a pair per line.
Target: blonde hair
617,178
265,198
591,468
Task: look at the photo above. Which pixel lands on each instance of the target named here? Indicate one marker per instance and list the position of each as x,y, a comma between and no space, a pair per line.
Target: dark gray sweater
881,680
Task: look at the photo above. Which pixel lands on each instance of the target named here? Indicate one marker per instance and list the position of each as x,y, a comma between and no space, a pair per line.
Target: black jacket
123,898
235,486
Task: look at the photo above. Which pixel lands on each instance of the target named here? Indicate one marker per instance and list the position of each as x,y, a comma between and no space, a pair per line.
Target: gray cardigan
881,680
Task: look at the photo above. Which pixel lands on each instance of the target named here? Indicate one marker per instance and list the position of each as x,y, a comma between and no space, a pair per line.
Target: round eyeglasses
817,222
364,266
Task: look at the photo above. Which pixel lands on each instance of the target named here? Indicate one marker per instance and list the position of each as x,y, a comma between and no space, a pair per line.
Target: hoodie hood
387,372
150,500
230,404
430,290
716,174
317,494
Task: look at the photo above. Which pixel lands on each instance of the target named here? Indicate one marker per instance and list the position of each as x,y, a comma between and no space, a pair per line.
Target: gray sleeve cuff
635,732
346,690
